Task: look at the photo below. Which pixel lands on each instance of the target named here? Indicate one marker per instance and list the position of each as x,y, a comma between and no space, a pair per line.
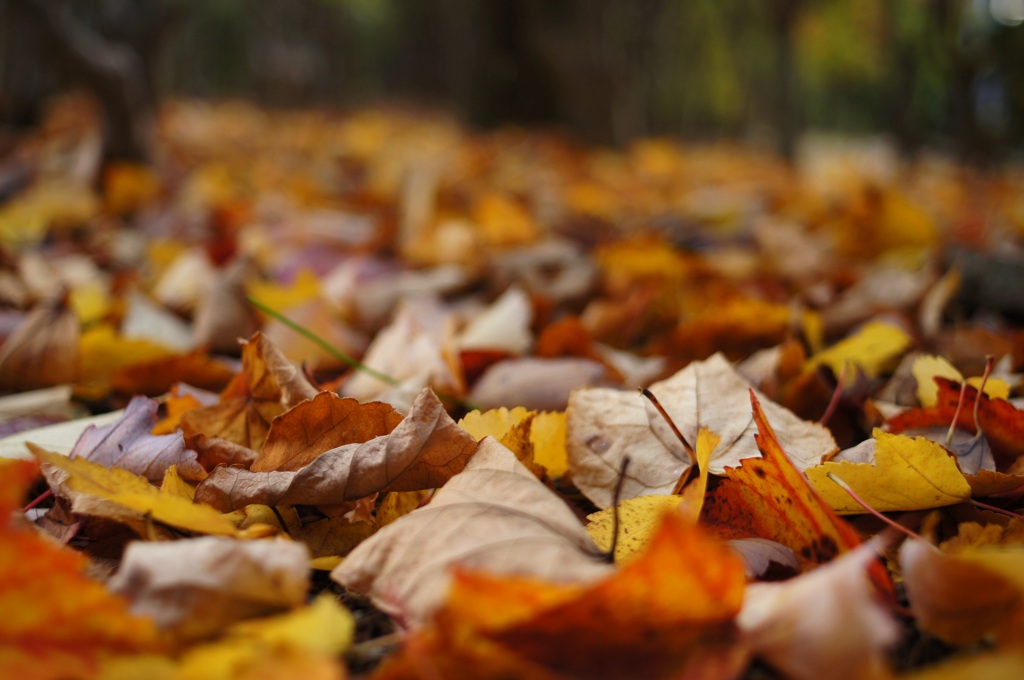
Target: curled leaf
422,452
128,444
493,516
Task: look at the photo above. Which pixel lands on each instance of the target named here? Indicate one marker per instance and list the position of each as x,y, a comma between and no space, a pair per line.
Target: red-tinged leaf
1000,421
769,498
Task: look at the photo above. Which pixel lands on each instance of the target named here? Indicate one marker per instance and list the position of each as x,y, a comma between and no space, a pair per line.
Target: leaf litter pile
321,396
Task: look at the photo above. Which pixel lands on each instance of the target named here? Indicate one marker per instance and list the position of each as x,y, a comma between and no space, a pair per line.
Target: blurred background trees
948,74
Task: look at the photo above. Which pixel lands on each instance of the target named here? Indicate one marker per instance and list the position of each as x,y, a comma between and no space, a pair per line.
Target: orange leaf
57,622
670,609
769,498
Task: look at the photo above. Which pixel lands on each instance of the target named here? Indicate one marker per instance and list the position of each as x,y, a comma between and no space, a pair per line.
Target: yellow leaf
547,433
304,644
873,348
132,496
174,485
909,473
103,351
91,302
928,367
546,430
282,297
639,518
693,494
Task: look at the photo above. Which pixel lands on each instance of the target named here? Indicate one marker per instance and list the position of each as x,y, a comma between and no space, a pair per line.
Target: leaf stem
862,503
39,499
616,497
995,509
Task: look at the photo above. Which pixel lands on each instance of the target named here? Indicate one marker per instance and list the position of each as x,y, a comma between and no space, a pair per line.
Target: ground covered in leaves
355,395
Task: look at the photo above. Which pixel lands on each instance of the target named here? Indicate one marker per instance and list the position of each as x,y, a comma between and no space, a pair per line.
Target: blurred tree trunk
119,68
784,15
901,55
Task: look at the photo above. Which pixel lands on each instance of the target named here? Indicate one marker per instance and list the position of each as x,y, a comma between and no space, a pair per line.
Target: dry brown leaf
605,425
267,387
495,517
422,452
323,423
198,586
43,350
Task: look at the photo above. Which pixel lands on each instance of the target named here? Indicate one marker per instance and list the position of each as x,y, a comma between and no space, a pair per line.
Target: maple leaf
604,425
267,387
663,614
908,473
481,518
1000,422
43,588
767,497
128,444
421,452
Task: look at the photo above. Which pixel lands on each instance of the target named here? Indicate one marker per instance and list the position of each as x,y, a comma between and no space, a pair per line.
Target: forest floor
322,394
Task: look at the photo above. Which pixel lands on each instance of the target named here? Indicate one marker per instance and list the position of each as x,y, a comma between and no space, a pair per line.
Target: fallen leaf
1001,423
325,422
422,452
44,589
662,615
504,325
128,444
223,314
103,351
117,494
157,376
483,518
195,587
769,498
638,519
826,623
417,344
958,599
536,384
927,367
303,644
908,473
604,425
873,348
43,350
267,387
546,432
